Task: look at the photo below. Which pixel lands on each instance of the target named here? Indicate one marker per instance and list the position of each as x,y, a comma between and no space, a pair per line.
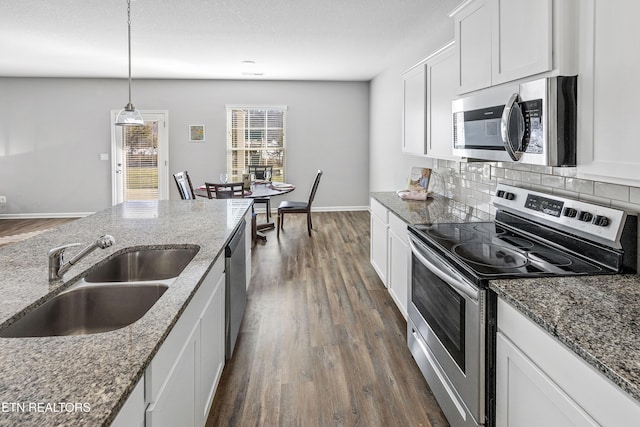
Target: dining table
258,190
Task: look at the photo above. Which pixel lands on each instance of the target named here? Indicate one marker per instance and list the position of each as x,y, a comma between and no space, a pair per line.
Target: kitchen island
96,373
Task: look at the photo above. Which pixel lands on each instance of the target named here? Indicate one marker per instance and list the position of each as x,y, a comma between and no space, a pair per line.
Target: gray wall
389,167
53,130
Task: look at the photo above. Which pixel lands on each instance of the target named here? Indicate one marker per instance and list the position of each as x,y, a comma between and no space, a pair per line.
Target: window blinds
256,136
140,149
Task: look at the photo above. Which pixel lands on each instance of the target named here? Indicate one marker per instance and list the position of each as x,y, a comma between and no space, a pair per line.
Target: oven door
446,335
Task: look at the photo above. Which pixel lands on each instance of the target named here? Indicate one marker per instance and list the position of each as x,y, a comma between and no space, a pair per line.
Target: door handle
444,272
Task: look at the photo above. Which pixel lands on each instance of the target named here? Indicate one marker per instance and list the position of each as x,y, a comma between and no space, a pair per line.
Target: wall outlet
3,199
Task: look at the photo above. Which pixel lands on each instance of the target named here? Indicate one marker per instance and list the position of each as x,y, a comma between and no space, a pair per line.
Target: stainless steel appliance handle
512,107
443,271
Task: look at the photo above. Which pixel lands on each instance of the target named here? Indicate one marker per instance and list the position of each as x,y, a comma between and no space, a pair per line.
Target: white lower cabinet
212,351
390,254
175,404
132,412
182,378
540,382
379,239
527,397
399,256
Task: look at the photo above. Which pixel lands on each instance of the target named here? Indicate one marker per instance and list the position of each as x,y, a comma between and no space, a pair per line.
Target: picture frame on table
419,179
196,133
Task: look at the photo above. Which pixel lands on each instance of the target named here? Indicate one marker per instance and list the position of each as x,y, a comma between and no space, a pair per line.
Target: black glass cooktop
490,250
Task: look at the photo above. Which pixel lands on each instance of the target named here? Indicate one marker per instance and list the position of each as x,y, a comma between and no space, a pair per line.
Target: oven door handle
444,272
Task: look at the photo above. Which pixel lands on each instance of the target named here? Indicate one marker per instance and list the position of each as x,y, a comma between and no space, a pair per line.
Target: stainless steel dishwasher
236,287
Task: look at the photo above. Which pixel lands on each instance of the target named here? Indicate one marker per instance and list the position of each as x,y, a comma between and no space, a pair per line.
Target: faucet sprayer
57,267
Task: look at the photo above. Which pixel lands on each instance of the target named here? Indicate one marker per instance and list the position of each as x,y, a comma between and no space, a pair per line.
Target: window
256,135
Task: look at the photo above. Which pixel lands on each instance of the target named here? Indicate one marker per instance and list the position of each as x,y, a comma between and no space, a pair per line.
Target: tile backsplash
474,184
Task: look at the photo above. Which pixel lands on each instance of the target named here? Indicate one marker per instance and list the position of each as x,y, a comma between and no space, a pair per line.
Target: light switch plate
104,156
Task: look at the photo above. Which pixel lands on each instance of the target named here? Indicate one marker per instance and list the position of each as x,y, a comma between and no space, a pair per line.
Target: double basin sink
113,295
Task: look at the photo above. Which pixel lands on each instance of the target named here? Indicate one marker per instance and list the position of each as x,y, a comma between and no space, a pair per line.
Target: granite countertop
99,371
434,210
597,317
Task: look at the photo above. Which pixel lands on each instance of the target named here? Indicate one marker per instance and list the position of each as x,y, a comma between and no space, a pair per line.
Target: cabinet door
378,244
441,90
526,397
398,271
521,39
608,90
132,412
212,350
175,403
473,46
414,111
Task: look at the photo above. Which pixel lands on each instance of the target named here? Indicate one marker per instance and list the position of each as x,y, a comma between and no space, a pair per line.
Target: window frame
249,149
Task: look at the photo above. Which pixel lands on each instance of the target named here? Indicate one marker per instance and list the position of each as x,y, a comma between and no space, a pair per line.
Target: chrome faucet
57,267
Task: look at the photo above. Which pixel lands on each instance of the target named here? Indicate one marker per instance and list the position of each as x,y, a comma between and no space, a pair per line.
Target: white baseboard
46,215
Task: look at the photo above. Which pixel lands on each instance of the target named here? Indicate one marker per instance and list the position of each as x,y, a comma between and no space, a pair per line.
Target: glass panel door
140,161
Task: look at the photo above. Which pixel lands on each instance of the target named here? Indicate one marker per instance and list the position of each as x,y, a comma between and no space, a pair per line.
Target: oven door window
442,308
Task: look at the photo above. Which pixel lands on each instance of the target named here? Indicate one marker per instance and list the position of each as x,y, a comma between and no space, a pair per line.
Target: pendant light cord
129,40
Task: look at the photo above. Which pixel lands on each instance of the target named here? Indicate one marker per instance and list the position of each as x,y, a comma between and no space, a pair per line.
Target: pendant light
129,116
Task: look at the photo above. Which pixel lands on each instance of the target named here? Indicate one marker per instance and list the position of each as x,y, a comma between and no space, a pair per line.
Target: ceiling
209,39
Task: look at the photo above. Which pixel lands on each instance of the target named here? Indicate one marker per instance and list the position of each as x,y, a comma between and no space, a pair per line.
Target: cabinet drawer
379,210
398,226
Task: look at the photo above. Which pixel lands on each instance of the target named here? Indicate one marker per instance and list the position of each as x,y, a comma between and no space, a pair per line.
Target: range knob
601,221
500,193
570,212
585,216
509,196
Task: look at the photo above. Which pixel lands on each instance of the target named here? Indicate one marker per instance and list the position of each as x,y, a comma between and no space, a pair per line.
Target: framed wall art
196,133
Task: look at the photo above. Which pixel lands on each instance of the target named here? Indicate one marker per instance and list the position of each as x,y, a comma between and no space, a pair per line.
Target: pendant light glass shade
129,116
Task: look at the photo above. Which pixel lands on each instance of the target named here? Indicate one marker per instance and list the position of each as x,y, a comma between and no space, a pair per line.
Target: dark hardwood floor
322,342
10,227
13,230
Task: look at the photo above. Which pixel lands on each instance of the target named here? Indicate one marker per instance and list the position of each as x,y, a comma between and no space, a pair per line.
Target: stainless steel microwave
533,123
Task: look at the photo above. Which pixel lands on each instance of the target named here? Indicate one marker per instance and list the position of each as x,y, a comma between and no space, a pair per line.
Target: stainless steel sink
143,265
88,310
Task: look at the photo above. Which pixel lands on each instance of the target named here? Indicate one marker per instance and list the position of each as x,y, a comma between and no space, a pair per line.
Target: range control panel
543,204
563,213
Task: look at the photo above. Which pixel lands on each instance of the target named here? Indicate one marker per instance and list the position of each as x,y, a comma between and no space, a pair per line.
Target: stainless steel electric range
452,314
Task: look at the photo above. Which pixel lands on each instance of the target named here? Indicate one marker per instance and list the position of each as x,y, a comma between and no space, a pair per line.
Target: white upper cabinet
500,41
429,88
415,104
441,90
607,91
473,45
520,39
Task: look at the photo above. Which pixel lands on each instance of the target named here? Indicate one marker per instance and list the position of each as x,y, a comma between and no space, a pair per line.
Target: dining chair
299,207
259,171
232,190
184,185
